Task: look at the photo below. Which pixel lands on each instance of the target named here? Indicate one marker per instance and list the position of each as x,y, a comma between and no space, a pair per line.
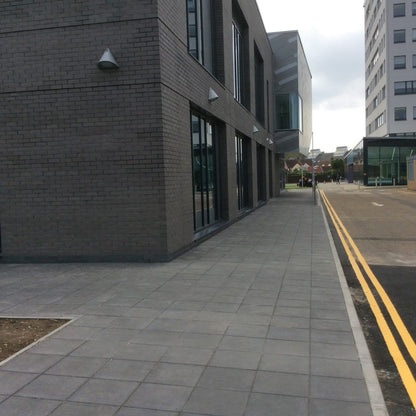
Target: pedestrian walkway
252,322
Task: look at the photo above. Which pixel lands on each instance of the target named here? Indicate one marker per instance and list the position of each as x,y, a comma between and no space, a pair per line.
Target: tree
338,166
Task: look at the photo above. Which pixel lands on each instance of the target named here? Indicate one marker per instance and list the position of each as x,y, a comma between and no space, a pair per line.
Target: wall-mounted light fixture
255,129
212,95
107,61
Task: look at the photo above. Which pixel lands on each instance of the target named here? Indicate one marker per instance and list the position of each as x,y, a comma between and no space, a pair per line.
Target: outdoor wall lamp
212,95
107,61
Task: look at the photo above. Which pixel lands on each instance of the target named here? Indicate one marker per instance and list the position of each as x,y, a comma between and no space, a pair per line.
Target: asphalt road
382,223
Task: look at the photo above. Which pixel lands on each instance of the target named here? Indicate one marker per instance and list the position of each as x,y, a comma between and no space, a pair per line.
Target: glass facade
204,167
383,161
289,112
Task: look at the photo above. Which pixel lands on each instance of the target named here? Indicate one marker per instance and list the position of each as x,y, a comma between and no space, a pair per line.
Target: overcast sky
332,34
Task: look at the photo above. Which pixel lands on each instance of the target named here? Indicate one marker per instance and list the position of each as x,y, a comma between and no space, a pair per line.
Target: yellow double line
355,257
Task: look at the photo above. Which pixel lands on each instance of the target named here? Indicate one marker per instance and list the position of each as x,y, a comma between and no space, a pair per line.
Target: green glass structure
380,161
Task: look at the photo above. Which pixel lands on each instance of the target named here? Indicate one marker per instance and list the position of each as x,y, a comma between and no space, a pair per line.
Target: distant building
314,153
340,152
390,62
292,93
380,161
390,94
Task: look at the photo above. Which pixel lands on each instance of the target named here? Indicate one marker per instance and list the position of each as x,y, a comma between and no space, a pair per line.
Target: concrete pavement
255,321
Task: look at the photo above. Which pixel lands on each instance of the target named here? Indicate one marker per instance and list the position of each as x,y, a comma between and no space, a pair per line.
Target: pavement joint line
378,405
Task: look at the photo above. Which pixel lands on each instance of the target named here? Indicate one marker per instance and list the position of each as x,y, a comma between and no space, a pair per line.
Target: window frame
399,9
204,136
200,27
399,64
399,36
400,113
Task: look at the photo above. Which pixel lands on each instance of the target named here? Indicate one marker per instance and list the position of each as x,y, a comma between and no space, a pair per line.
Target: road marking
376,204
401,364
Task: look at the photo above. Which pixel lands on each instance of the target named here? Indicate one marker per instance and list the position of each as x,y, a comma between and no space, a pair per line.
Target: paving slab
253,321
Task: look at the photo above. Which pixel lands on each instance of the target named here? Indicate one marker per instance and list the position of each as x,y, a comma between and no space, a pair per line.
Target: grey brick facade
97,165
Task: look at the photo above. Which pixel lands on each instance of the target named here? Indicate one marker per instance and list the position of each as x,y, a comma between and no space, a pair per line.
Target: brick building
139,162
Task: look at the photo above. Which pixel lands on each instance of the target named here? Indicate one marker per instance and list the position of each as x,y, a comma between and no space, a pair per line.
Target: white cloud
333,39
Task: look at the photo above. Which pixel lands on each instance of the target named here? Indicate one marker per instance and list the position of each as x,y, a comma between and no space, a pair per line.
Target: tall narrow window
200,33
237,63
242,166
261,173
240,57
259,85
204,166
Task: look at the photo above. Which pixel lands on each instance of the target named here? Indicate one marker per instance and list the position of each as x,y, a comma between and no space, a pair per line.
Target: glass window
237,62
404,87
414,35
200,33
399,113
414,61
204,167
289,112
400,62
259,85
414,113
399,9
242,166
414,8
240,44
399,36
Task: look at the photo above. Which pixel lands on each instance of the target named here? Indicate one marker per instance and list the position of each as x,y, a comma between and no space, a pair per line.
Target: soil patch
18,333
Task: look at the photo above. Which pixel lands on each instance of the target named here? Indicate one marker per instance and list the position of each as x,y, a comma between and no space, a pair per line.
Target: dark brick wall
81,150
97,165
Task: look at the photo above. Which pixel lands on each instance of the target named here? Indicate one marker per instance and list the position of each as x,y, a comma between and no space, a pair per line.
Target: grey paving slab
134,411
261,404
217,402
227,379
77,366
79,409
52,387
251,322
11,382
18,406
111,392
281,383
160,397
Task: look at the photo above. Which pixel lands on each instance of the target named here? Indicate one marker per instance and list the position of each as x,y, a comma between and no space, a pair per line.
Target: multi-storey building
390,94
293,93
168,139
390,77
